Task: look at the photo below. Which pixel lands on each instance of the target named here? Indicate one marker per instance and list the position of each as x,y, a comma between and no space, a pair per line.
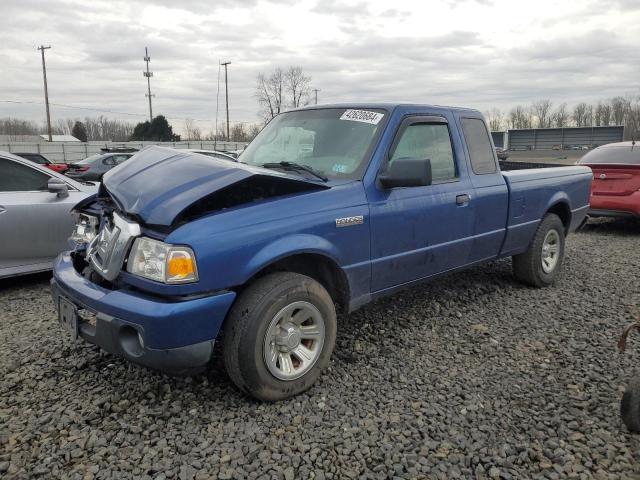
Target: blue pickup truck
326,210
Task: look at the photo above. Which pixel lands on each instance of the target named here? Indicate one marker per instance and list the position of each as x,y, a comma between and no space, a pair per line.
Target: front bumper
175,335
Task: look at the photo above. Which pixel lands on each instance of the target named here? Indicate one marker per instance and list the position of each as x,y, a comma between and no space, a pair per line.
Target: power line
42,48
102,110
62,105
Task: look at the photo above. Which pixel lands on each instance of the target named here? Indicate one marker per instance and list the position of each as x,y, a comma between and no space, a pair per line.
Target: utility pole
148,74
226,89
316,90
42,48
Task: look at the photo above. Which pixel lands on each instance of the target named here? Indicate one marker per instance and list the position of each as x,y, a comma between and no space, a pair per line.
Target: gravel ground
473,376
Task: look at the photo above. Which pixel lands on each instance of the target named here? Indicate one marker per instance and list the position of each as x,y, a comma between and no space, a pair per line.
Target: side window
479,145
15,177
120,158
108,160
432,141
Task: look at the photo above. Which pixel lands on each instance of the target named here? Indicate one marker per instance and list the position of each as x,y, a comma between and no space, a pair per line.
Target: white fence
65,152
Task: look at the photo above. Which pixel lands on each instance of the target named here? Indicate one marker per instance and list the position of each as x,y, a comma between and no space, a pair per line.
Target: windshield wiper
295,167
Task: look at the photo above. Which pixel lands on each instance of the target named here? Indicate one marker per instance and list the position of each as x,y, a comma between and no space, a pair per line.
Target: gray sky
478,53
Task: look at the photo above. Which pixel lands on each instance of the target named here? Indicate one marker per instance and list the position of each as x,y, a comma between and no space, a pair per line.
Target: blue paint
408,234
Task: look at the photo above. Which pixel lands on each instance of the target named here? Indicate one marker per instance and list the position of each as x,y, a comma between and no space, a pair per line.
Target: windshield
332,141
90,159
619,154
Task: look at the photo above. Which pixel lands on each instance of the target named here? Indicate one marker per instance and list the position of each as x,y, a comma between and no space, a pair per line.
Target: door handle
463,199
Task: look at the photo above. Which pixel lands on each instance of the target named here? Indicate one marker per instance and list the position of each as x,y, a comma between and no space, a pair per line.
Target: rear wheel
279,336
540,265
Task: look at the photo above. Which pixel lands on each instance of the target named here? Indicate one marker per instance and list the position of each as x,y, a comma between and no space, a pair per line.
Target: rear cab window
481,153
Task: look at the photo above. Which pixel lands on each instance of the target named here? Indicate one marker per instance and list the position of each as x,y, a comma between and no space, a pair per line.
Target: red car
615,190
44,161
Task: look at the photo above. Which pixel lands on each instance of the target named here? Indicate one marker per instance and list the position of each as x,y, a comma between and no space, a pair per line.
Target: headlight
85,230
162,262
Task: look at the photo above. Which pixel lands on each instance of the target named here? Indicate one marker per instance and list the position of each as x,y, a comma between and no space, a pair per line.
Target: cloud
474,53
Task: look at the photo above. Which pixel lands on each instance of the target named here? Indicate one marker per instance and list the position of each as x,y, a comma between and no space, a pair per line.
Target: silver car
35,217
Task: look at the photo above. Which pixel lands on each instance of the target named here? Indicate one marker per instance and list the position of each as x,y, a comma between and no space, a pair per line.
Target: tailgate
615,179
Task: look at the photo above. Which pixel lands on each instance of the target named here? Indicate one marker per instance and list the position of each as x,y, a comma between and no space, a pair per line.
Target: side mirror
406,172
55,185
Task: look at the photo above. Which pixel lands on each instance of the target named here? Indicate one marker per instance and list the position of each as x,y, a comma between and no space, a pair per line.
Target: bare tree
582,113
269,92
605,113
238,133
254,130
619,107
221,134
561,116
189,125
280,90
16,128
520,117
103,128
542,111
191,130
632,120
495,118
298,86
63,126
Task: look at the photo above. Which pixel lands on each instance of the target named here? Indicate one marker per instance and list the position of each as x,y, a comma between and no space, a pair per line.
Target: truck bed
508,165
533,191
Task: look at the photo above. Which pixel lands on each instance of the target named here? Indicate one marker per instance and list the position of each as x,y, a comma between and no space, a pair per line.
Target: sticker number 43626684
362,116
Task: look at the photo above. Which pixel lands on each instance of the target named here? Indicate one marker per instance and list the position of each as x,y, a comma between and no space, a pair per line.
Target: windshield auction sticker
362,116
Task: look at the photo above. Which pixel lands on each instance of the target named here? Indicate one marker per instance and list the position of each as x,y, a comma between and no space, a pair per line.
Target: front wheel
540,265
279,336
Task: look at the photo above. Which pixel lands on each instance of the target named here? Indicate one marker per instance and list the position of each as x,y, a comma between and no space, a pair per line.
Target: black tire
630,406
527,267
247,324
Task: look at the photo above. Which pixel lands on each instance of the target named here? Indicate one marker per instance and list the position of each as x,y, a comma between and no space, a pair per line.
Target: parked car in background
95,166
44,161
210,153
35,214
615,191
184,248
501,153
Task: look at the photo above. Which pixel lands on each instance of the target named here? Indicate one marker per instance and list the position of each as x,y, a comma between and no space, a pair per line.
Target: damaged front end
122,227
164,188
92,217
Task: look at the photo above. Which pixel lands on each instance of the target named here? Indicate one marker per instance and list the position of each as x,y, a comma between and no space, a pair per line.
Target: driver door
417,232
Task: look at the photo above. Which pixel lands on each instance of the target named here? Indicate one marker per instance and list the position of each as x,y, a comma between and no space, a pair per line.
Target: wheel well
562,210
319,267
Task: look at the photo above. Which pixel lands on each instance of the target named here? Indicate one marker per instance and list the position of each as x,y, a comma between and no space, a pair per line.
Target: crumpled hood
158,184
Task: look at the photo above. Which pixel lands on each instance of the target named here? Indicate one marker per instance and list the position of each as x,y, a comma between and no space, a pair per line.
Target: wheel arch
307,255
561,208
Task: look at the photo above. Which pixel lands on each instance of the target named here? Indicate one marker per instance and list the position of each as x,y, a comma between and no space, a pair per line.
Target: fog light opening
131,341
